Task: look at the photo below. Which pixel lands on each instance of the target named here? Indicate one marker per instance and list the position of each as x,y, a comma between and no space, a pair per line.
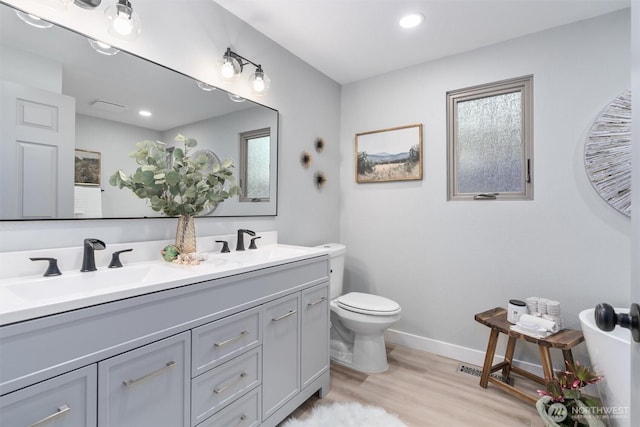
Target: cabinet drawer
213,390
217,342
244,412
146,387
65,401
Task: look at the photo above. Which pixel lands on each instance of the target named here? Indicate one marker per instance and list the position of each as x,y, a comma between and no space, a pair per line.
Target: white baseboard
454,351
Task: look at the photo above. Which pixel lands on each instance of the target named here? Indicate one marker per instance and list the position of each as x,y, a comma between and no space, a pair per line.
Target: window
490,141
255,165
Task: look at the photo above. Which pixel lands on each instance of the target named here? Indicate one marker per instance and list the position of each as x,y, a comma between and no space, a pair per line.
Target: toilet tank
336,264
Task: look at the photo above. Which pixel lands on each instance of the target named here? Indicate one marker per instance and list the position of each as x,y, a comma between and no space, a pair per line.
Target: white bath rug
347,415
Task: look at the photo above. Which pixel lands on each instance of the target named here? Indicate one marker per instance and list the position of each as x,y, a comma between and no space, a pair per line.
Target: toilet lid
369,304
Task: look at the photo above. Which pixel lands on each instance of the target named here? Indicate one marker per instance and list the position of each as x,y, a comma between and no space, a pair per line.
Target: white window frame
524,85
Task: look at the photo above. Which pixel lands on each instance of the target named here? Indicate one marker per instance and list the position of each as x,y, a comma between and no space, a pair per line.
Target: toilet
358,320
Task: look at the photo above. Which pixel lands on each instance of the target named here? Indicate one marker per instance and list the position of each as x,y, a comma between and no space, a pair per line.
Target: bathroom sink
267,254
26,297
72,283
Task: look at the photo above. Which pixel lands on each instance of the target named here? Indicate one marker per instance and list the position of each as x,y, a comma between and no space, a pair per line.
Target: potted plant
178,184
563,403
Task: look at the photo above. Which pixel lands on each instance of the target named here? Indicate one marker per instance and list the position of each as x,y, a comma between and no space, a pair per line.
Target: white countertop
28,297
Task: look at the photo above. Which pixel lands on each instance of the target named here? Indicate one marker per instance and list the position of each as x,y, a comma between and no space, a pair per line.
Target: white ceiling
350,40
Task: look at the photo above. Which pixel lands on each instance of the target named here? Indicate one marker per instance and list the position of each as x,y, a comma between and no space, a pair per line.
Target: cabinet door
65,401
146,387
280,352
315,332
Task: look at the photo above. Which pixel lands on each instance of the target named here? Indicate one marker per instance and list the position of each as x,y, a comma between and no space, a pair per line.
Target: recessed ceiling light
411,20
145,113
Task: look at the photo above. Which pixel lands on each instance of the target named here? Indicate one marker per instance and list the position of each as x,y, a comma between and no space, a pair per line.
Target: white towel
530,332
538,324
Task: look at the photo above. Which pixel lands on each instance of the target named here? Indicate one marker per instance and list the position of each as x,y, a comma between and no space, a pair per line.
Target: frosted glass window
255,155
490,141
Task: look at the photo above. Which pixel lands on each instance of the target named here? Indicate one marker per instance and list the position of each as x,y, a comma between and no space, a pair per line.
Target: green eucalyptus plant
176,183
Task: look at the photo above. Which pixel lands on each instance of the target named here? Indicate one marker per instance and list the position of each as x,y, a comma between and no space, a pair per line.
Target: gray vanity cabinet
148,386
315,333
243,350
281,352
67,400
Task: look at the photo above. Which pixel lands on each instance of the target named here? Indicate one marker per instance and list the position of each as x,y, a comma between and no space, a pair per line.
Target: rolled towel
538,324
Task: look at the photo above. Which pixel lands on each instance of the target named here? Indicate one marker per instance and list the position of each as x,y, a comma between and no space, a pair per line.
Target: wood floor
426,390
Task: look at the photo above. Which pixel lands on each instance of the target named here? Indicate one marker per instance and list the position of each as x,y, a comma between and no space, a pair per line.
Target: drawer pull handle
243,417
129,383
222,389
318,301
61,411
230,340
290,313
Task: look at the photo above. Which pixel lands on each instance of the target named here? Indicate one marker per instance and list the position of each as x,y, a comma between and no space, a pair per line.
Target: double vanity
240,340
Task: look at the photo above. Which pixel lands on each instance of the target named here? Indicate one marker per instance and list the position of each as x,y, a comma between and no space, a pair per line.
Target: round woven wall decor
607,153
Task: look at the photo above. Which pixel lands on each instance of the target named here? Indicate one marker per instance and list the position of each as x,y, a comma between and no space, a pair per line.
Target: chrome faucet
88,258
240,239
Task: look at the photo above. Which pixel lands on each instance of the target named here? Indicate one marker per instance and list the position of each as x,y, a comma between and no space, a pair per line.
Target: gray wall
445,261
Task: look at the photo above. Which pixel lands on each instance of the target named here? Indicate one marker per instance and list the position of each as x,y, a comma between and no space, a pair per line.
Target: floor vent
477,372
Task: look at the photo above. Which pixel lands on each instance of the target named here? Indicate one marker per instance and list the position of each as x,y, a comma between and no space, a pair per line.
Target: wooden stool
496,319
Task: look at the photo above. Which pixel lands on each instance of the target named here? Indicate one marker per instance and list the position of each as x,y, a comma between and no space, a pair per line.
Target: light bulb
122,24
122,21
259,82
228,69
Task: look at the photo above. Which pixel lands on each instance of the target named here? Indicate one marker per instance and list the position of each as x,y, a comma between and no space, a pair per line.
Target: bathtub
610,354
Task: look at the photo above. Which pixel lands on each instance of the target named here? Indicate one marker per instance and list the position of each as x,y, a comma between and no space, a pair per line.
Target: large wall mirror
70,117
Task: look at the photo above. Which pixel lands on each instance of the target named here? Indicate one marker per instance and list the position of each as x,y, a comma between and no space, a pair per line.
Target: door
36,153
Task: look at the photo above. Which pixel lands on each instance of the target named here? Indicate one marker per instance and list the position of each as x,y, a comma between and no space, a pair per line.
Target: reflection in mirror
254,150
61,97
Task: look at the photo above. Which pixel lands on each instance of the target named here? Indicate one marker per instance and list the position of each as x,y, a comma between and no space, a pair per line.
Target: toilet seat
373,305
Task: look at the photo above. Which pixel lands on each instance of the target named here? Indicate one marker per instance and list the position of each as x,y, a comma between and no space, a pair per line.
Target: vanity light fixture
122,21
145,113
33,20
411,20
231,66
103,48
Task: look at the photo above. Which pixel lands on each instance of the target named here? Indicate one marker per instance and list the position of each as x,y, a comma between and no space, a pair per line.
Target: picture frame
392,154
88,167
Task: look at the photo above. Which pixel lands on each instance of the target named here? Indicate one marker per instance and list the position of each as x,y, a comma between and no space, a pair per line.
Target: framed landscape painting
88,167
393,154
